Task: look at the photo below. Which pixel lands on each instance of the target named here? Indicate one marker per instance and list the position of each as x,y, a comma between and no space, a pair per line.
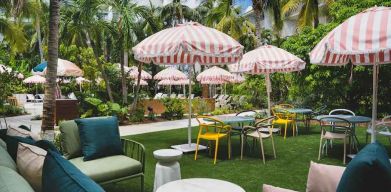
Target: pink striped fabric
174,82
133,73
142,82
363,39
238,78
214,74
170,73
213,82
35,79
187,44
268,59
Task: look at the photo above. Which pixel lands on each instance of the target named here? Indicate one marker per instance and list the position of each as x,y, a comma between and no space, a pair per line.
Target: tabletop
233,119
200,185
350,118
299,110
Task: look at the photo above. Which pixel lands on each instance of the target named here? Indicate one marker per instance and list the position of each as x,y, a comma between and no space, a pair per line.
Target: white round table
167,168
200,185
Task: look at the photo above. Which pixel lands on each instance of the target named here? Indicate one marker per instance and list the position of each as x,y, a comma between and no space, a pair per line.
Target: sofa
369,170
104,170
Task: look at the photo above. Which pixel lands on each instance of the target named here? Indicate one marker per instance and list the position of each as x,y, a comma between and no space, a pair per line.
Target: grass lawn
289,170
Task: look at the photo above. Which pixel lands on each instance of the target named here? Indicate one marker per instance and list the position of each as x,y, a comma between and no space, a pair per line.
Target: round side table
167,167
200,185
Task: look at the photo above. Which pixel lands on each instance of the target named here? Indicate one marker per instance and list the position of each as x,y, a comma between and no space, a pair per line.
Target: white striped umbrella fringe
133,73
268,59
187,44
363,39
35,79
215,74
170,73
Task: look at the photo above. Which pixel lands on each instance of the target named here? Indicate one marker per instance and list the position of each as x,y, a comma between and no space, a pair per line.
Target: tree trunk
257,7
134,104
38,30
49,104
90,44
124,75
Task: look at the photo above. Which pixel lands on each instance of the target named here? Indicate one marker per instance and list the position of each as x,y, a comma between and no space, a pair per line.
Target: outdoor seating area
195,96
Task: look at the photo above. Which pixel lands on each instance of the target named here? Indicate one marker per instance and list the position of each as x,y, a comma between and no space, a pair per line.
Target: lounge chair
173,96
30,98
181,96
164,96
158,96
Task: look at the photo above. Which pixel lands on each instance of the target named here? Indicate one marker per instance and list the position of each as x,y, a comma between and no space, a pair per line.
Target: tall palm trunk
91,45
257,7
316,13
38,30
123,79
134,104
49,104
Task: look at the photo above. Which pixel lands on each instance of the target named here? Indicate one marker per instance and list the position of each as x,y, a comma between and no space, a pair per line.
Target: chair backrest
249,113
210,124
337,125
30,96
281,113
341,112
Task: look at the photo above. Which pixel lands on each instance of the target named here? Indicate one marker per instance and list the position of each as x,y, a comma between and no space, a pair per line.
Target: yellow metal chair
212,129
283,117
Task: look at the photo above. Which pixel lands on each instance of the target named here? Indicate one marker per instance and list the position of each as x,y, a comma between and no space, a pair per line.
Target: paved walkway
124,130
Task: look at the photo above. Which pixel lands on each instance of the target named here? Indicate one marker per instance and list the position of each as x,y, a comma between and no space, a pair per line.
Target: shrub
174,109
9,110
138,114
99,108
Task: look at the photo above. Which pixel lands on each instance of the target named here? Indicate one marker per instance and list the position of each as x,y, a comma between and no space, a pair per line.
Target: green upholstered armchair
104,170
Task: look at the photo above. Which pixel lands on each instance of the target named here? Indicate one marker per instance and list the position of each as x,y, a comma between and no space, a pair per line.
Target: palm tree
175,12
49,105
309,11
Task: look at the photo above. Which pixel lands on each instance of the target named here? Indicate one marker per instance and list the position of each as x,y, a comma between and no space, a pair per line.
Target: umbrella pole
374,101
268,90
189,128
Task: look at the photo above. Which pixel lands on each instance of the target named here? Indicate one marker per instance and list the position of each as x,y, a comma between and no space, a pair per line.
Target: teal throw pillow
99,137
370,170
60,175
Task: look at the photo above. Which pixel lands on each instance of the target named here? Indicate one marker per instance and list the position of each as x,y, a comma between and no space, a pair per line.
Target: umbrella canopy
80,80
35,79
174,82
188,43
238,78
133,73
363,39
64,68
265,60
170,73
215,74
213,82
142,82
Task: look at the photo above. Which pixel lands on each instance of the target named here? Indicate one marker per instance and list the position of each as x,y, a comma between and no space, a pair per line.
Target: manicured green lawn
289,170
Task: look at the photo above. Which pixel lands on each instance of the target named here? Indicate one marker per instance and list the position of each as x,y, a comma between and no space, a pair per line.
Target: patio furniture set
337,125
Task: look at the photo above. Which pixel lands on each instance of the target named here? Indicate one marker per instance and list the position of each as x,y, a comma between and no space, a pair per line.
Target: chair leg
241,146
142,183
216,149
229,147
320,148
262,152
274,149
286,127
196,151
344,151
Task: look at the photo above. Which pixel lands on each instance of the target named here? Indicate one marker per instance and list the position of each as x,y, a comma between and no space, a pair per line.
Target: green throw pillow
60,175
370,170
99,137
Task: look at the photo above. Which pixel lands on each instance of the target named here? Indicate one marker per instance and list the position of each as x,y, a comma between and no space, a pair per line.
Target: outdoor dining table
200,185
352,119
226,119
304,112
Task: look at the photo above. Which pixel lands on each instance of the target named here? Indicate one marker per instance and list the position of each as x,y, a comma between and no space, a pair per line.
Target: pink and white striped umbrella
170,73
238,78
265,60
213,82
268,59
142,82
363,39
174,82
215,74
80,80
133,73
187,44
35,79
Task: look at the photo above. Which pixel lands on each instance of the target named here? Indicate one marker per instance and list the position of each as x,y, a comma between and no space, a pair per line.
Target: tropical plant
49,104
99,108
173,109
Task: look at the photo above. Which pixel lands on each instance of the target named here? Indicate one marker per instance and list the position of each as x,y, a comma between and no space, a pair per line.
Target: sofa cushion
6,160
99,137
370,170
70,140
3,144
20,132
61,176
13,142
30,162
11,181
270,188
104,169
323,178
